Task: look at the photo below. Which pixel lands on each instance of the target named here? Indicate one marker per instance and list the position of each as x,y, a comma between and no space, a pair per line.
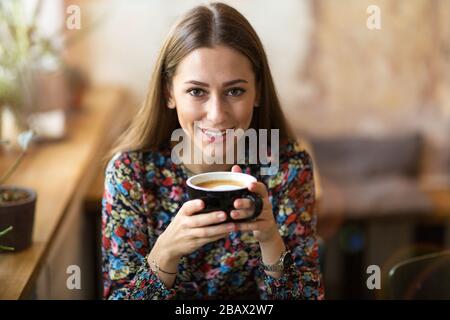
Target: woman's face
215,89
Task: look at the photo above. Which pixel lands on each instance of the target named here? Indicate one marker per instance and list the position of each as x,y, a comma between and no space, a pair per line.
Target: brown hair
203,26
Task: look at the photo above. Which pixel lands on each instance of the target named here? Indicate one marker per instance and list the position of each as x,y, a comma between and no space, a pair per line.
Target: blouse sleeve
293,201
127,235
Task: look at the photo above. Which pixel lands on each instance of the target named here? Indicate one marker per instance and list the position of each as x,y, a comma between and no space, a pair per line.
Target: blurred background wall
123,46
322,54
391,74
333,74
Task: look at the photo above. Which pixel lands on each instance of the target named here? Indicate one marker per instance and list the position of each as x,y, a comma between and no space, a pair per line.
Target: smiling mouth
215,134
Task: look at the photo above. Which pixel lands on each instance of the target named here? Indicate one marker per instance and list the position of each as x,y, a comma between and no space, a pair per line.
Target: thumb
236,168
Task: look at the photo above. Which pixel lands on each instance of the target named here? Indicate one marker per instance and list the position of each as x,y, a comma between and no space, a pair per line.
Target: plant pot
20,215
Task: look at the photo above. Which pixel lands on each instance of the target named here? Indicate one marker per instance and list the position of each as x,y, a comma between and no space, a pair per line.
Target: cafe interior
364,84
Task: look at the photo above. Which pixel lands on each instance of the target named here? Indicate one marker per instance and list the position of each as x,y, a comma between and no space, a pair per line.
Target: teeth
214,133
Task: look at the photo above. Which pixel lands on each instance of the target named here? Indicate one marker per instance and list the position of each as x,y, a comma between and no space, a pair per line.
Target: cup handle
258,204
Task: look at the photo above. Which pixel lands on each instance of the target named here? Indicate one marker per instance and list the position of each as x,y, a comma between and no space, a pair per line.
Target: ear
171,103
168,94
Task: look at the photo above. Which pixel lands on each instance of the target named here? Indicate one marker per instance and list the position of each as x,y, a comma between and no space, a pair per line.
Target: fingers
206,219
259,188
212,231
245,208
243,203
236,168
242,214
192,206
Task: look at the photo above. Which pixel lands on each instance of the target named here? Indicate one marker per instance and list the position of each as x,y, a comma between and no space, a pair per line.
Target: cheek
188,113
188,116
242,114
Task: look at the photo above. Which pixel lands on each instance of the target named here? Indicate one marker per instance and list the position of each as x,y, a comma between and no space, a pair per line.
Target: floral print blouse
143,192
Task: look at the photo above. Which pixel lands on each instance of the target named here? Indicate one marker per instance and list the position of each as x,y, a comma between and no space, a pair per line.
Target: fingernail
230,227
221,215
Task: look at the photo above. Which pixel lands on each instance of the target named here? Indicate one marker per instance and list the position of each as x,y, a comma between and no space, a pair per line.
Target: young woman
212,71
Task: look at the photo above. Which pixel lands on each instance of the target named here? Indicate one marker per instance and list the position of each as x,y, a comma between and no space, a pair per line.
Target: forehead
217,64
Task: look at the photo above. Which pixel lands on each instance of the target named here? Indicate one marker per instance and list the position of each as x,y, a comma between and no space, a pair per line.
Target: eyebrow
225,84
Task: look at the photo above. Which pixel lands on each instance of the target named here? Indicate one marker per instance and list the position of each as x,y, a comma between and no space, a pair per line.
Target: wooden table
61,173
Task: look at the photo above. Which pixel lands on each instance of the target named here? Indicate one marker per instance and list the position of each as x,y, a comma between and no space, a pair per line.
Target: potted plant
21,51
34,78
17,206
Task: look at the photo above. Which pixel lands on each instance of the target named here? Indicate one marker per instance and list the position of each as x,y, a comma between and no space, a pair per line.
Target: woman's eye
196,92
235,92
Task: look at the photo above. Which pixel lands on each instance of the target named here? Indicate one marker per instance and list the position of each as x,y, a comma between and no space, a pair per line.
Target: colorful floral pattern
143,192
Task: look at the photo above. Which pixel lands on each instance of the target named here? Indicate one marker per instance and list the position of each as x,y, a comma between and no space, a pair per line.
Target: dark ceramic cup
220,189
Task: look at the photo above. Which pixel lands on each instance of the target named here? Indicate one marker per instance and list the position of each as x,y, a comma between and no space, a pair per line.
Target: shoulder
294,157
123,172
294,152
125,163
295,165
137,166
138,160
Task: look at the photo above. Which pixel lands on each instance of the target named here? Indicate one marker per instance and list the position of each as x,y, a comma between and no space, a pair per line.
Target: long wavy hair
203,26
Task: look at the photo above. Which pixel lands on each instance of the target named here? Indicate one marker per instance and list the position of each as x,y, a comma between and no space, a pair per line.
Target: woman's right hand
189,231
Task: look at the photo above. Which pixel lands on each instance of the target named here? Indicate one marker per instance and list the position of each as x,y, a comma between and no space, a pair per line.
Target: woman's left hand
264,227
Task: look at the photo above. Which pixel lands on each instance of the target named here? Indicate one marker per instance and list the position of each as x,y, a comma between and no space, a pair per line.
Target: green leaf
5,248
2,233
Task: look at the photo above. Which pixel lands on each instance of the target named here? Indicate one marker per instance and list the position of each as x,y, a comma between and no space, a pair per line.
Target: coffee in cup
220,189
220,184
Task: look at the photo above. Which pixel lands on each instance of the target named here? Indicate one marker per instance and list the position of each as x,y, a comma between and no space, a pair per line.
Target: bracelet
283,262
156,268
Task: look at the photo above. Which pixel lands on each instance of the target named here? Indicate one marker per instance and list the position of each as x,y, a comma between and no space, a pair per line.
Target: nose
217,111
